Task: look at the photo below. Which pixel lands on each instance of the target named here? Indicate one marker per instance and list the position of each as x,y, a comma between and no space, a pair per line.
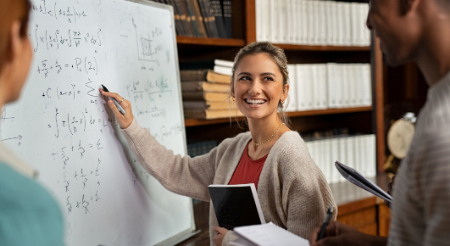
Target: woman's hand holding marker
124,120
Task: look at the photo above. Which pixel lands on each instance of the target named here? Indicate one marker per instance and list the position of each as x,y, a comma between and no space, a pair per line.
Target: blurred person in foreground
419,31
29,215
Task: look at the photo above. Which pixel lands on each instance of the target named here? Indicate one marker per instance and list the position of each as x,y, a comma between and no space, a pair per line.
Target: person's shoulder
28,209
290,143
16,188
290,150
243,137
12,181
433,137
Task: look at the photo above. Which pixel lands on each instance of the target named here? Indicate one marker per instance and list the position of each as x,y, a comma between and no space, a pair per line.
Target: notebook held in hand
236,205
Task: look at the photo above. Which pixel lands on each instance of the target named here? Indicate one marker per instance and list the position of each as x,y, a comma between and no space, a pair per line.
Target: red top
248,170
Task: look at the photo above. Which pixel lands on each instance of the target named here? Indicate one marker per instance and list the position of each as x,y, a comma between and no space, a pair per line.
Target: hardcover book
236,205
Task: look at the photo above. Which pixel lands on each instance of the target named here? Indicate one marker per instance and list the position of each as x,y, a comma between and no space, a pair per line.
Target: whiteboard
61,127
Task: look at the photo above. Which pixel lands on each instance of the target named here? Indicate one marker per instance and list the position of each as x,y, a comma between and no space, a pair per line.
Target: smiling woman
263,56
292,190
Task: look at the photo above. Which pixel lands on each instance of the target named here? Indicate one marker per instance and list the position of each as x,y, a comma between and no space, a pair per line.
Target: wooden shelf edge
329,111
210,41
202,122
323,48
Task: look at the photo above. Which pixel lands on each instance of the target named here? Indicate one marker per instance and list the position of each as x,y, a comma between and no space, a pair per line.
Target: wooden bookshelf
200,122
211,41
234,42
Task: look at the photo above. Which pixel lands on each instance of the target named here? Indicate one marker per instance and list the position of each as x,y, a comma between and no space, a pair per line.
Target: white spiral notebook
266,235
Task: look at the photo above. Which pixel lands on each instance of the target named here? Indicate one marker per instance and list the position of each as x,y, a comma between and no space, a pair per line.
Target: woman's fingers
112,95
124,120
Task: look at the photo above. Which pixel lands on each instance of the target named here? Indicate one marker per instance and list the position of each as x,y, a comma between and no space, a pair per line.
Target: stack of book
202,18
331,85
312,22
206,95
358,152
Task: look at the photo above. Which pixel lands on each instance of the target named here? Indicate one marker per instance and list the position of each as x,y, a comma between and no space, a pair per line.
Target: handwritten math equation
67,13
88,65
45,39
76,132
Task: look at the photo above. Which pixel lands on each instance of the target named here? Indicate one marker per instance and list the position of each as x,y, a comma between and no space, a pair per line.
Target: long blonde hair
280,59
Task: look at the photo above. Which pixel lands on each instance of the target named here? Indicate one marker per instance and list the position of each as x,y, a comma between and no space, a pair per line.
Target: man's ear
408,5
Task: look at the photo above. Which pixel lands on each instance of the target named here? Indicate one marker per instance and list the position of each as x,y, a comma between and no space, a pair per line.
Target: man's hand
218,238
338,234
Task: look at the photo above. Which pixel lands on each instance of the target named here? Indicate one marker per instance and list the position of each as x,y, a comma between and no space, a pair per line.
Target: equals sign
67,65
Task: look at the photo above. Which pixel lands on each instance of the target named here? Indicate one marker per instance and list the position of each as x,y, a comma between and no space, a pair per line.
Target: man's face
397,28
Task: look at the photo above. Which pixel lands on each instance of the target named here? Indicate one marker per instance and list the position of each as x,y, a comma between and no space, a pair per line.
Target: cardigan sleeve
182,175
306,195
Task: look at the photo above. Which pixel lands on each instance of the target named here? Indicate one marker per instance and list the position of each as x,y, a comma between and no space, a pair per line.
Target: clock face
399,137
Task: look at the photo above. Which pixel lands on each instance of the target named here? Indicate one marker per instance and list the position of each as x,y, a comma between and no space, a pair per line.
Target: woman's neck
262,129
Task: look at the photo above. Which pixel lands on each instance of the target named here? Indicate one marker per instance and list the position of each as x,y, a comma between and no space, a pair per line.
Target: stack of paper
266,235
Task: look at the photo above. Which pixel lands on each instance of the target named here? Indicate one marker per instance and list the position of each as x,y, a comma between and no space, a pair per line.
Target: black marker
326,221
121,110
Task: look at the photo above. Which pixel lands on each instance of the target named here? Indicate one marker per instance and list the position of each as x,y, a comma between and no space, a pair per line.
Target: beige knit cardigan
292,190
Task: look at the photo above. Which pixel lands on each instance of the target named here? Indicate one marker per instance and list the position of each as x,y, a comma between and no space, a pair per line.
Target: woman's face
258,86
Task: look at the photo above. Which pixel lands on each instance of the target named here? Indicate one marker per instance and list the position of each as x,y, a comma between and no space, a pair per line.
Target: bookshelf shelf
200,122
211,41
323,48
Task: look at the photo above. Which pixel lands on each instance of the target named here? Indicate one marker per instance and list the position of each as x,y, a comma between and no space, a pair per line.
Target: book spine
199,18
266,20
282,10
294,22
189,8
183,18
309,87
227,17
178,26
212,18
187,18
193,75
334,157
206,19
292,106
218,14
332,85
259,16
301,100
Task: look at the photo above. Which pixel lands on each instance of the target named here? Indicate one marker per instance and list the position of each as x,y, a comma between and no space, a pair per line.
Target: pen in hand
121,110
326,221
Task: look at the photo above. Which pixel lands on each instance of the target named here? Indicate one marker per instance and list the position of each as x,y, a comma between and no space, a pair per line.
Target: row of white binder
358,152
329,85
312,22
